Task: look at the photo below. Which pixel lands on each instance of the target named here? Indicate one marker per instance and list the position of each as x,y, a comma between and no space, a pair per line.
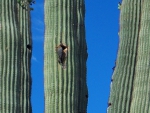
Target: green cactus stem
65,89
130,92
15,77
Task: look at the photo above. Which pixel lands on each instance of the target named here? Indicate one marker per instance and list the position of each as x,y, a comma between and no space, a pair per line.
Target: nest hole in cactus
29,46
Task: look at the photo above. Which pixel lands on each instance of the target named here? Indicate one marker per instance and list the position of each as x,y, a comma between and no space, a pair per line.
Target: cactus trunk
15,79
65,89
131,77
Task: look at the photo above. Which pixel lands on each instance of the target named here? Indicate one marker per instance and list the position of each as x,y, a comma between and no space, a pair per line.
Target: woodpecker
62,54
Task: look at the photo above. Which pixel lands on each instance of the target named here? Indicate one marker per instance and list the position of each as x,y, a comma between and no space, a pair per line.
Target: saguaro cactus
65,89
130,87
15,80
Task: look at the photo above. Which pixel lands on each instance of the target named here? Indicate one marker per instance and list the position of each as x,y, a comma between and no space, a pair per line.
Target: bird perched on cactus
61,51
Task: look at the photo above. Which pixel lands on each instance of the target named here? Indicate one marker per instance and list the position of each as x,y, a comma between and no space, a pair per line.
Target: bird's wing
59,51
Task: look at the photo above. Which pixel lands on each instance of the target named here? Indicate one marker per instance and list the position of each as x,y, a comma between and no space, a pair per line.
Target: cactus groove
131,77
15,79
65,89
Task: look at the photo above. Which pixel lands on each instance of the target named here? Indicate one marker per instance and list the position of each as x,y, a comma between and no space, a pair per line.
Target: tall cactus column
24,25
65,89
15,80
130,92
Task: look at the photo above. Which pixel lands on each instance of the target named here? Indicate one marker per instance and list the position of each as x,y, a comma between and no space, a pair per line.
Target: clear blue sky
102,25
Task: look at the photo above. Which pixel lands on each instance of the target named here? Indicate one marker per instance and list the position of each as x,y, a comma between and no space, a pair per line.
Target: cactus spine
15,79
131,77
65,89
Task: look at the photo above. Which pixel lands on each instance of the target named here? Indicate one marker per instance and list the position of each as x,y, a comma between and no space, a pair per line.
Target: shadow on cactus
24,4
61,51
